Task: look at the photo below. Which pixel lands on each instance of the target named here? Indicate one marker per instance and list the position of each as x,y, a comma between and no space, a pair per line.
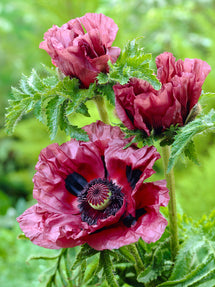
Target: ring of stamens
99,199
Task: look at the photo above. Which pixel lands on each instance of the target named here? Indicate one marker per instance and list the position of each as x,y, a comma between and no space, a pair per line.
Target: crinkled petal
56,163
79,54
149,227
151,194
165,67
129,167
102,134
124,99
106,26
43,228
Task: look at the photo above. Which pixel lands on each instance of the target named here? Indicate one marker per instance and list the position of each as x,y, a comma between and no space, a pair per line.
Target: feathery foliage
131,63
53,101
183,140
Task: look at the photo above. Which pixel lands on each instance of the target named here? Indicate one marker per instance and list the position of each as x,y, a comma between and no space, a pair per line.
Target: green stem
139,264
108,268
172,203
100,104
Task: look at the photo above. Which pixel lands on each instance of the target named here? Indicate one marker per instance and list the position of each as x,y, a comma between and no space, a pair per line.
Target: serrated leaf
45,96
50,81
190,152
108,268
102,78
53,113
91,269
132,62
17,94
85,252
195,262
185,135
107,91
147,275
25,87
201,272
12,117
77,133
35,82
82,109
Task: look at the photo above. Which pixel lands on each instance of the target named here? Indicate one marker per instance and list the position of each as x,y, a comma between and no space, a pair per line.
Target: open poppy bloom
140,106
94,192
79,54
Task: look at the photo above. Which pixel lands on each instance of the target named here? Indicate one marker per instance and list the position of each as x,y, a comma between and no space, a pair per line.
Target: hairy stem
108,268
172,203
100,104
139,264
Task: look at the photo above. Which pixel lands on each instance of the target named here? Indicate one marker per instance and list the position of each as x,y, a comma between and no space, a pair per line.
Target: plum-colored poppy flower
94,192
79,54
139,106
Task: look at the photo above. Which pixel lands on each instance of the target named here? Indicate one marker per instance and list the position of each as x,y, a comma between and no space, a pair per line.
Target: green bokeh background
185,28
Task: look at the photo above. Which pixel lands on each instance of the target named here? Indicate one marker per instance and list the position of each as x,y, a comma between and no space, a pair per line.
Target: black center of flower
99,199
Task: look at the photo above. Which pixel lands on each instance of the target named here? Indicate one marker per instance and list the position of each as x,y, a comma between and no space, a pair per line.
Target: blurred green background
185,28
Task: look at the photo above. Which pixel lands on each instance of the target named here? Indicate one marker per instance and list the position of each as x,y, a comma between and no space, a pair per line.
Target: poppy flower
94,192
140,106
79,54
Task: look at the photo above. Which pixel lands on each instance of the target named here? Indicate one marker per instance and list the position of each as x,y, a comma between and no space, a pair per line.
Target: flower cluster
140,106
94,192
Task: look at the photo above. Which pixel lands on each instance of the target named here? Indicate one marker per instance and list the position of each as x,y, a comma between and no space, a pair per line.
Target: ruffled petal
149,227
165,67
106,26
55,164
79,54
151,194
44,228
102,134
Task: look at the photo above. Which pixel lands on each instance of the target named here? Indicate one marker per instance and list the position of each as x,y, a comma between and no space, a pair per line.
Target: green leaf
190,152
42,258
25,86
13,116
147,275
132,62
82,109
53,113
126,254
85,252
52,100
195,262
91,269
201,273
22,236
184,137
107,91
35,82
102,78
108,268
